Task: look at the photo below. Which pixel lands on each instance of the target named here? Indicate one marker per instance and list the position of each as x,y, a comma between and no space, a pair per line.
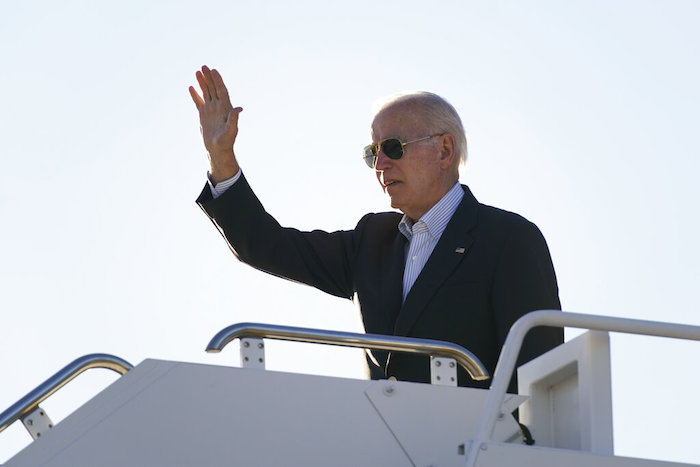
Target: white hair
438,114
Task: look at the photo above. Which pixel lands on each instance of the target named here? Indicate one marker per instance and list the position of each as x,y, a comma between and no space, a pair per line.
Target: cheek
428,175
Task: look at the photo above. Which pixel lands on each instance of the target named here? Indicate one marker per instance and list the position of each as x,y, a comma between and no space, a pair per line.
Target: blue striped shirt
218,189
425,233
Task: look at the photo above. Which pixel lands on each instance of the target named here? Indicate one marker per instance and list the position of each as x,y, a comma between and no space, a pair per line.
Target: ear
448,151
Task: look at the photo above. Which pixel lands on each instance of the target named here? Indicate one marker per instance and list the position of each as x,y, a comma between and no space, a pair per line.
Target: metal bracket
252,353
443,371
37,422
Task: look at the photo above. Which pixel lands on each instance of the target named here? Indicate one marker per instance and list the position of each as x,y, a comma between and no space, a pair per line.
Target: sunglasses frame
371,151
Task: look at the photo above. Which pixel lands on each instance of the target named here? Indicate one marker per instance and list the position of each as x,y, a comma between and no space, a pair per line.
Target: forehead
398,121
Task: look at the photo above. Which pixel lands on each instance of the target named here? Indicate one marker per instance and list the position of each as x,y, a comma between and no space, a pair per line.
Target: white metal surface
514,340
443,371
168,413
252,352
570,393
438,417
506,455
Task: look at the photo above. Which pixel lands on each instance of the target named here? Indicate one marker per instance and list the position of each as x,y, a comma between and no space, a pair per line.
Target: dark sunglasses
391,147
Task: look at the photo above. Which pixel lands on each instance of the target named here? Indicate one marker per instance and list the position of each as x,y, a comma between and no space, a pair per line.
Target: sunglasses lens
370,156
392,148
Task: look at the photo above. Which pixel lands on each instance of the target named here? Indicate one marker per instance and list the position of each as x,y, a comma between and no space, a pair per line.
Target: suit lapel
393,291
447,255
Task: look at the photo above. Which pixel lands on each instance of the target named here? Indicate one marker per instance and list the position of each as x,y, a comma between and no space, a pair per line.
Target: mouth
387,183
390,186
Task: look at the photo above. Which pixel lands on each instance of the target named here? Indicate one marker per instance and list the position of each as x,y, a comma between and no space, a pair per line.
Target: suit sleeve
525,281
319,259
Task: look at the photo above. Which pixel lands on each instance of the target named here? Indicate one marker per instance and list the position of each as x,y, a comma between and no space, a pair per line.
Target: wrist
222,166
220,175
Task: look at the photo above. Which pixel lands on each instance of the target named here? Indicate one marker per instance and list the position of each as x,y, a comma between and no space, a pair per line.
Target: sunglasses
391,147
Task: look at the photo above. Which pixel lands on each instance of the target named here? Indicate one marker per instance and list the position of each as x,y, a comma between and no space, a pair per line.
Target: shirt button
415,258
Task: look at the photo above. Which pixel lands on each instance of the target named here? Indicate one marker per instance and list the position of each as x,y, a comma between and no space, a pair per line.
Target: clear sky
581,115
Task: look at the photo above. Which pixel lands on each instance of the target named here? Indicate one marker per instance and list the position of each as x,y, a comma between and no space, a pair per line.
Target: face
416,181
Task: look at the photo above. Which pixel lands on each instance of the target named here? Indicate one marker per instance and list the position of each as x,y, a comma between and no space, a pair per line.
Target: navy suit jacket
489,268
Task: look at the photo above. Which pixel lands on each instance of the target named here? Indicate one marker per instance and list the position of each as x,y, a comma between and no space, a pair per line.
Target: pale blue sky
582,116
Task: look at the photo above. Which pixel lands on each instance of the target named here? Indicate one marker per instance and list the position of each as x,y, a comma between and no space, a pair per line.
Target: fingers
219,85
198,102
211,86
206,94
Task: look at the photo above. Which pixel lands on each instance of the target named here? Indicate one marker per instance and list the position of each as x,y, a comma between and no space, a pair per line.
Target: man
449,268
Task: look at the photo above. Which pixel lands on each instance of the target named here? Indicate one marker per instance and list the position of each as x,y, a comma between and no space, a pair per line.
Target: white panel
566,418
501,455
430,422
165,413
570,395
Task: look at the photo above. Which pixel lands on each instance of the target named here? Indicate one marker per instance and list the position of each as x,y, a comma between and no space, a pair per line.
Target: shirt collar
437,218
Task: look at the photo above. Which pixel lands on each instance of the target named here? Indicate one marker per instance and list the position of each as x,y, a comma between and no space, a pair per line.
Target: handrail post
29,403
462,356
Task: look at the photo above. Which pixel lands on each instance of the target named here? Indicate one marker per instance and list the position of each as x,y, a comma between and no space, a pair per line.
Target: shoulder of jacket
499,215
508,223
379,221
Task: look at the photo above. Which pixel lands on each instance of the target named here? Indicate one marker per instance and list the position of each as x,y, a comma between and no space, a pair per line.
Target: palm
217,117
213,118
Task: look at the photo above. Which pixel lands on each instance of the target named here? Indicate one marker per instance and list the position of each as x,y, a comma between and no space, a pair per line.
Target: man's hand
219,123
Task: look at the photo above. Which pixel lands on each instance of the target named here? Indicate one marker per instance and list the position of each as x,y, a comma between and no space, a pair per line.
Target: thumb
232,118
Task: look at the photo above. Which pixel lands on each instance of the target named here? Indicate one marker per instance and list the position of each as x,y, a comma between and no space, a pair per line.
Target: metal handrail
464,357
35,397
514,340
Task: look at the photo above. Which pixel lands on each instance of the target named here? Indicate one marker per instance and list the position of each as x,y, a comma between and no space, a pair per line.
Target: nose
383,162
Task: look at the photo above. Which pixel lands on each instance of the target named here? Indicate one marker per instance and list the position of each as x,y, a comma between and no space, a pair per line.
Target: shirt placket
416,257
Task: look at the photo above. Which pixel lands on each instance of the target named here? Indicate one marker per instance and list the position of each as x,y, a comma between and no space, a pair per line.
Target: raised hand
219,123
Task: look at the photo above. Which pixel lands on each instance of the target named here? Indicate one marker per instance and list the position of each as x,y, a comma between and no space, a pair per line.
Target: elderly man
449,268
